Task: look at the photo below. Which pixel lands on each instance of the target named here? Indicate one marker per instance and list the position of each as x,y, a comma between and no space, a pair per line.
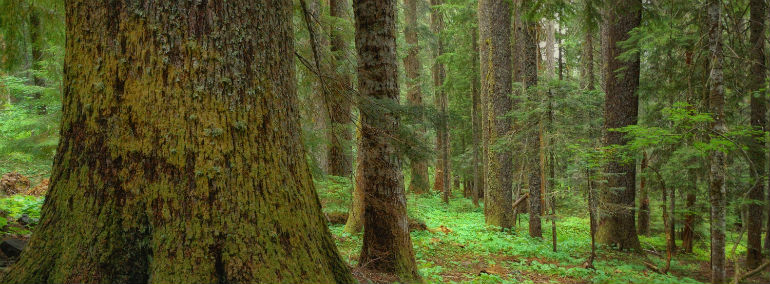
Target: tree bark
355,221
717,166
341,99
688,230
758,121
387,246
534,153
495,27
478,173
617,226
644,200
419,183
442,102
320,98
180,157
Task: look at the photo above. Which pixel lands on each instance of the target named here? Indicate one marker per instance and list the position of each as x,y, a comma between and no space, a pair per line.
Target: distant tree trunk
340,135
355,221
592,200
644,200
495,24
152,182
534,149
320,111
588,81
758,122
688,232
419,183
484,89
616,222
717,164
478,173
442,102
387,246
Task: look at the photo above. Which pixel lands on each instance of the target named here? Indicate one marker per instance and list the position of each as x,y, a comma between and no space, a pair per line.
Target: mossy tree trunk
758,122
419,183
534,141
495,27
617,224
180,158
387,246
717,159
355,221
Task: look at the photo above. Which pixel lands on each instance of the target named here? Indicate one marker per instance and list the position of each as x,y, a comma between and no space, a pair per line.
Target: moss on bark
179,159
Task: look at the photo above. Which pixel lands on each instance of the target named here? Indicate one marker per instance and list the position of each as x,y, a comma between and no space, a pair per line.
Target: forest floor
458,247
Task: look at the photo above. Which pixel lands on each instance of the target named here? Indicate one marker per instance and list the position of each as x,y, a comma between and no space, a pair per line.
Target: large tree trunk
529,46
419,183
758,121
717,166
478,184
180,158
387,245
616,222
341,98
495,27
644,200
442,133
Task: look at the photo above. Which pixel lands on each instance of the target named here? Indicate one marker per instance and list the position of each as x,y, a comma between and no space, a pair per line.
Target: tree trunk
142,192
495,27
419,168
688,232
341,98
592,208
319,99
534,153
387,246
644,200
484,88
478,184
36,43
717,166
355,221
758,121
442,101
616,222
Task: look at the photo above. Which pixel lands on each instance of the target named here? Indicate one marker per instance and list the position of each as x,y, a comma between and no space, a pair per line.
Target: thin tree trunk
387,246
644,200
592,216
320,112
355,221
442,102
758,121
717,164
478,172
154,183
495,24
419,168
617,224
534,153
340,135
